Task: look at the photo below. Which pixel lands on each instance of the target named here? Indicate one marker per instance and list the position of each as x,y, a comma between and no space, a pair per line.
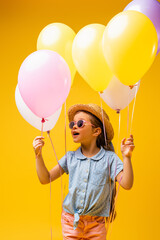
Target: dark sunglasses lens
80,123
71,124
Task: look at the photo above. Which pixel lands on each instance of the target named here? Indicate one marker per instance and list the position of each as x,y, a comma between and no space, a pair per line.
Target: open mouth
75,134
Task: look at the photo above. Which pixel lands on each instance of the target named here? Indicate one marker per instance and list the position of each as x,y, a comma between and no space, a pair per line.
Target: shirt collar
97,157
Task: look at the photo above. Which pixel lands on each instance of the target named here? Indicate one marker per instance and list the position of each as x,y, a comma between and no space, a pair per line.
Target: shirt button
83,190
85,180
86,171
88,160
81,201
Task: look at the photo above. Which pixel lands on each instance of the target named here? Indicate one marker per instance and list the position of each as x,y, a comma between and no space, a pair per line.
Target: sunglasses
79,124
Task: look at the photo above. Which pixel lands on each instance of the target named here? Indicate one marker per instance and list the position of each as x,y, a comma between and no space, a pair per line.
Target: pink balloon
31,118
44,82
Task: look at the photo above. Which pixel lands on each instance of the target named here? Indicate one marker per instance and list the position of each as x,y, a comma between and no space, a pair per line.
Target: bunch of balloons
112,59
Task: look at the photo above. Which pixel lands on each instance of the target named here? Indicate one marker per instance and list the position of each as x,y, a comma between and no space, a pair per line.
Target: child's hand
38,143
127,147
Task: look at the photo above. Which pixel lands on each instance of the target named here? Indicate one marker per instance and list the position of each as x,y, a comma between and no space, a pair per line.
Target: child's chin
76,140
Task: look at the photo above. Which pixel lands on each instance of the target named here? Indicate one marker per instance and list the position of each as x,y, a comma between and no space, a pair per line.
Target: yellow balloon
88,56
129,45
58,37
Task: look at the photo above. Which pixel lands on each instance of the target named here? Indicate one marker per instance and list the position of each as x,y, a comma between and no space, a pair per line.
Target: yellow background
24,202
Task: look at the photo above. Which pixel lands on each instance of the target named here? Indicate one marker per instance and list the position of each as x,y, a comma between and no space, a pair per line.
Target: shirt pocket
100,172
99,178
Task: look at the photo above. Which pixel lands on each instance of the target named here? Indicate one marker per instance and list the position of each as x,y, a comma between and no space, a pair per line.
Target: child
90,169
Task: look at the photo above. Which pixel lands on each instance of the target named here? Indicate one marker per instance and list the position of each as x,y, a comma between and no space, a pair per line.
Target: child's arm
127,173
43,174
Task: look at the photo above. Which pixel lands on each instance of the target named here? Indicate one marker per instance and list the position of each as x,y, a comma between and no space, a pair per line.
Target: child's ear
97,131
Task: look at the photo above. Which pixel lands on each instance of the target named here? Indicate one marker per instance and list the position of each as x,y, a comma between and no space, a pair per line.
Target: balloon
117,95
151,8
44,82
88,56
31,118
130,45
58,37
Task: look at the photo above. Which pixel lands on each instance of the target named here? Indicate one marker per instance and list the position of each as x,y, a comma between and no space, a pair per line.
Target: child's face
85,134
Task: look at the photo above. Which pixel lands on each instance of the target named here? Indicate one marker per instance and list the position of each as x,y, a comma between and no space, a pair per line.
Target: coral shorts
89,227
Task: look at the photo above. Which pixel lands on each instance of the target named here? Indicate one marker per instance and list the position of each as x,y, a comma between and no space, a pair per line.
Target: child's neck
89,150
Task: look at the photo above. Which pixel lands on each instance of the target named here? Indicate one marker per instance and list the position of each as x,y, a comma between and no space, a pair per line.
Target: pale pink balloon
31,118
44,82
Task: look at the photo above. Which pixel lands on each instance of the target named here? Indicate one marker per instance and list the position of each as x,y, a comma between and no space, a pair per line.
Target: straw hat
95,110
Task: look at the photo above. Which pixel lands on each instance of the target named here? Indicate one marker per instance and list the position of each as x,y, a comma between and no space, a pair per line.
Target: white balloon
31,118
117,95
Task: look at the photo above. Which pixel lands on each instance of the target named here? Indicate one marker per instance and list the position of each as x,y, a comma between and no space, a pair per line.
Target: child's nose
75,126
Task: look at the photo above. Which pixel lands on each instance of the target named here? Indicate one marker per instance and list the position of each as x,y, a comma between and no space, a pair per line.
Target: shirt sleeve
63,162
116,166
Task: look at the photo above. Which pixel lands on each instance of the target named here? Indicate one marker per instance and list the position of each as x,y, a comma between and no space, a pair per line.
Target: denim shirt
89,188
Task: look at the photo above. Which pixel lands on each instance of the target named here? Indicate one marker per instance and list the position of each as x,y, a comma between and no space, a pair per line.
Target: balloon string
110,217
48,132
65,129
42,130
65,133
127,120
128,113
42,121
50,207
119,130
110,190
103,122
50,185
114,206
133,107
117,144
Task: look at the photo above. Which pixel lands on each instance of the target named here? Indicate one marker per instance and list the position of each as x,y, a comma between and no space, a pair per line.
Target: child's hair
101,142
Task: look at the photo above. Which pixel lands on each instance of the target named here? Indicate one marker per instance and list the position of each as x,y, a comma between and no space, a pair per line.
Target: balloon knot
132,86
44,120
117,110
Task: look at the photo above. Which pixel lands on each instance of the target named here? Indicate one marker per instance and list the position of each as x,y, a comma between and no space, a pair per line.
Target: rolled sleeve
116,166
63,163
